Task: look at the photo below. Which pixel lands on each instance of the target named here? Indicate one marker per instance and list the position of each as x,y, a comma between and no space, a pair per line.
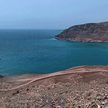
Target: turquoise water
36,51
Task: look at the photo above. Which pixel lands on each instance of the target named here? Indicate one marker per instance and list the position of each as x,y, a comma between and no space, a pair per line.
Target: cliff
90,32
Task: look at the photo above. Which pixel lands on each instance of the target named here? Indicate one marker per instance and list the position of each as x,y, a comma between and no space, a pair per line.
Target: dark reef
1,76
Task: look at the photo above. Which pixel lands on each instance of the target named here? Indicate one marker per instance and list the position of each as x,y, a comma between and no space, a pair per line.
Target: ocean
37,51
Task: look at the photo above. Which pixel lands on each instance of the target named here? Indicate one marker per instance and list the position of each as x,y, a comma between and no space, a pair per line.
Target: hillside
80,87
90,32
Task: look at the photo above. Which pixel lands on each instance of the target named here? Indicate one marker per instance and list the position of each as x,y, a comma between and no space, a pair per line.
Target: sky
51,14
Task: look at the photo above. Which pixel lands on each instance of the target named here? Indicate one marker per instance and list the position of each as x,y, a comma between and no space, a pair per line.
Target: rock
90,32
94,105
106,106
1,76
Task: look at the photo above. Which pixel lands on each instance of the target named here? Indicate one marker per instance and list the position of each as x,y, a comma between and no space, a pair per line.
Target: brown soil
79,87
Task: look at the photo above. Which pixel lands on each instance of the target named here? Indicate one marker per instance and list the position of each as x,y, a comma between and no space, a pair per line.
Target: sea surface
37,51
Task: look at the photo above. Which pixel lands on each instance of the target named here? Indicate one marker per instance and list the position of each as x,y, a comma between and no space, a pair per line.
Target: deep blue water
36,51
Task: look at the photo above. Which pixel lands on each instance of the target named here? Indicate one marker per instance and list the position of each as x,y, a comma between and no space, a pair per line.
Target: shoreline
82,41
57,72
38,77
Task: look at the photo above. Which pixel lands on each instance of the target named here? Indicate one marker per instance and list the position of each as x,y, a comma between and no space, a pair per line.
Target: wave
53,39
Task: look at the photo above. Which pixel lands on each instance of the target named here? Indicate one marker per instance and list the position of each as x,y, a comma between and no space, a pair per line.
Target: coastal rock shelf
90,32
79,87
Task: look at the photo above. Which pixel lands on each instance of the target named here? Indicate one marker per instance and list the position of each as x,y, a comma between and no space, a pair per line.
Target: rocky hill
80,87
90,32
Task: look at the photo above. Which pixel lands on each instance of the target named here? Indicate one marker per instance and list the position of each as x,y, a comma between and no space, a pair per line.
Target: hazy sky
50,14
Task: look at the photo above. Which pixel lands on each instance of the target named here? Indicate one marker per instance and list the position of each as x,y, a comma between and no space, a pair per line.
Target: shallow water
37,51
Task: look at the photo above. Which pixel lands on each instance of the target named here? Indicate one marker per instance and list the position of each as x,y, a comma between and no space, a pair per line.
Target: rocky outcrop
1,76
90,32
